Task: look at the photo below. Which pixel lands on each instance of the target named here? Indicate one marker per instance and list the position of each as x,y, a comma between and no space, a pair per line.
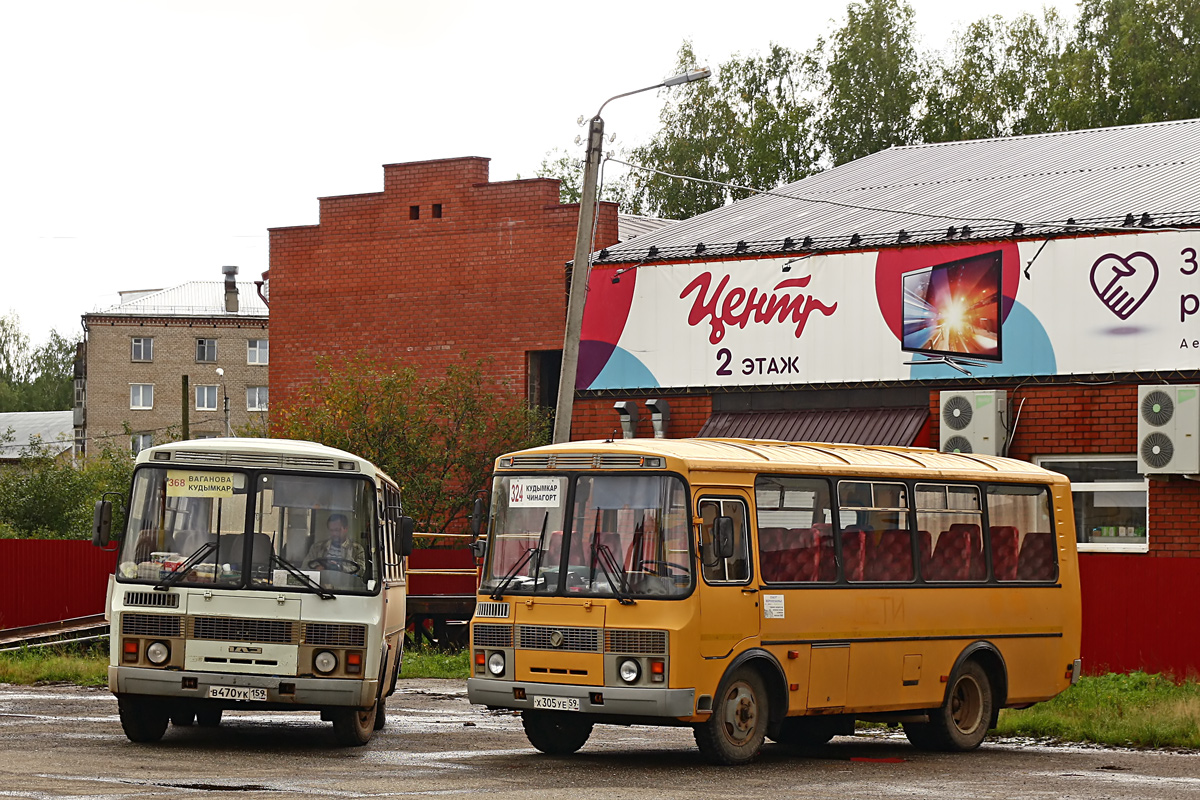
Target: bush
48,497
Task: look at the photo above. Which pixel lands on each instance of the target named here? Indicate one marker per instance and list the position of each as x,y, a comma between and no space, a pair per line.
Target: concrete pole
579,278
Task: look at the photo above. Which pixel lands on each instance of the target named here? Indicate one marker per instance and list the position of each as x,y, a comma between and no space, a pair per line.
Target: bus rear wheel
805,732
735,731
556,733
142,719
352,727
961,723
208,717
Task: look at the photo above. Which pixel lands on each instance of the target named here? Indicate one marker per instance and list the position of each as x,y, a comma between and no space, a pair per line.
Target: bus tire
208,717
961,723
142,719
380,713
735,731
353,727
805,732
182,719
556,733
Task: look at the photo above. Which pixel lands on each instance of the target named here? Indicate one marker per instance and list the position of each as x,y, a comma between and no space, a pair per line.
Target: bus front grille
492,635
152,599
649,643
232,629
542,637
333,634
164,625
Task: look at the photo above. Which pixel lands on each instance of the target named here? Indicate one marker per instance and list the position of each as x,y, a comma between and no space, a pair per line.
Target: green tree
46,496
568,170
1131,61
436,436
872,78
39,379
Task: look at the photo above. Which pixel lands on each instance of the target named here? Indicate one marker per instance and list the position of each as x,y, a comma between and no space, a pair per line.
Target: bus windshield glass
255,530
622,536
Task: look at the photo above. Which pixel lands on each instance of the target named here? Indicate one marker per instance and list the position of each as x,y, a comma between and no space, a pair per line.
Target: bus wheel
183,718
380,713
962,722
805,732
352,727
208,717
735,732
556,733
142,719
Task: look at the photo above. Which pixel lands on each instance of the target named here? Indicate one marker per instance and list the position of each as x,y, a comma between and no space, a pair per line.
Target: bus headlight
325,662
629,670
496,663
158,653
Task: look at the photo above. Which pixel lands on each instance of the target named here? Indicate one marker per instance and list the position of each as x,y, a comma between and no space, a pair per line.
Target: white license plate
237,693
557,703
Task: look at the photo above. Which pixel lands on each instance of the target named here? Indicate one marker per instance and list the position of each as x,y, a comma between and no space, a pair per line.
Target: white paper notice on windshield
185,483
773,606
535,492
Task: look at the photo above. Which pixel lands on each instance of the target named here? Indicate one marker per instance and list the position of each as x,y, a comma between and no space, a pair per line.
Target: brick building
441,263
1036,296
137,353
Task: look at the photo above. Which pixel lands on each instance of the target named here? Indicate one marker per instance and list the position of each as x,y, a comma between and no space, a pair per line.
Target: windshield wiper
292,569
522,561
191,561
602,555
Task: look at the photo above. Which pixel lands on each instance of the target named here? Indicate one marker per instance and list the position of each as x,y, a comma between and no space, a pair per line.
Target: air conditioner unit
973,421
1169,429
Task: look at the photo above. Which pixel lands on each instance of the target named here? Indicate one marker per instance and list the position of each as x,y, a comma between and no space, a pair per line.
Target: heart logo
1123,284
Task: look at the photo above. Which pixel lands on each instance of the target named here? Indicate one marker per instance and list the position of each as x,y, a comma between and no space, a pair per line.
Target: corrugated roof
893,427
192,299
1097,178
630,226
54,429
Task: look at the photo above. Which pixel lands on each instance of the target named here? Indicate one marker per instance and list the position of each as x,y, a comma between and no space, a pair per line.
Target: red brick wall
595,418
487,278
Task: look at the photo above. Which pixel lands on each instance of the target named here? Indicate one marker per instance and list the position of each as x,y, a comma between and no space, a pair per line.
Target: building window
143,348
1110,499
140,441
141,395
206,350
206,398
256,351
80,442
256,398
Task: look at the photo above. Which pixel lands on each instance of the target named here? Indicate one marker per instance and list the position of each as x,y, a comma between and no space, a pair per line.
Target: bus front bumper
281,690
639,701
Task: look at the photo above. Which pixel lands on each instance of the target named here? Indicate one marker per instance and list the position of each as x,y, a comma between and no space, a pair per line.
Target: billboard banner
1087,305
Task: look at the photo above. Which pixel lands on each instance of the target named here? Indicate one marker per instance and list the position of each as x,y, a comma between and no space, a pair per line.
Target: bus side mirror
723,536
404,536
478,548
101,523
477,517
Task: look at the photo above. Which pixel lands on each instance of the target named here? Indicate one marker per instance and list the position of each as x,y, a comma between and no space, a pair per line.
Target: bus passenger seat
804,556
826,557
1037,559
1005,540
978,563
854,552
770,553
891,557
951,556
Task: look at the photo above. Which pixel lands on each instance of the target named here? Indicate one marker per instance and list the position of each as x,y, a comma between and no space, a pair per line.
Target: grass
79,664
1133,710
425,663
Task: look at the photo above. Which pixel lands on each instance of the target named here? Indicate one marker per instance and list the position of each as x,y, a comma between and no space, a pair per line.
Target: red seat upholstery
825,558
951,556
771,553
854,552
788,555
925,544
1005,542
1037,561
978,571
891,557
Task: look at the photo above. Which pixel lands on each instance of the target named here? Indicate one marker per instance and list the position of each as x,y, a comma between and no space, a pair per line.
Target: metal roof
192,299
53,429
865,426
630,226
1135,176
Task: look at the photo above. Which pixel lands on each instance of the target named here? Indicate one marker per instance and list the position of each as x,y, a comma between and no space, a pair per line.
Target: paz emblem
556,638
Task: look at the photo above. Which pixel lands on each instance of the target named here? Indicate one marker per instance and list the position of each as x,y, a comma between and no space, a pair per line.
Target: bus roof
239,452
757,455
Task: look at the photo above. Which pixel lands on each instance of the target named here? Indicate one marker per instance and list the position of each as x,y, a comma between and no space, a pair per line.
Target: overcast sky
148,143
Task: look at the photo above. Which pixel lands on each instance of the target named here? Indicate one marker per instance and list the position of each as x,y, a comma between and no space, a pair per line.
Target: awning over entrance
869,426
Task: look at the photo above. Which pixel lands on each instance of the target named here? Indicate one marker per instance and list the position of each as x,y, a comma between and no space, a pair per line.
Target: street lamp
225,394
583,248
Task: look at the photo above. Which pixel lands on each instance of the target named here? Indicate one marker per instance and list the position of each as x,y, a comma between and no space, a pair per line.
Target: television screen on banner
953,309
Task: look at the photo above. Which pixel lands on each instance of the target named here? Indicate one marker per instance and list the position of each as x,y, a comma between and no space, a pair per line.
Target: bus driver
337,552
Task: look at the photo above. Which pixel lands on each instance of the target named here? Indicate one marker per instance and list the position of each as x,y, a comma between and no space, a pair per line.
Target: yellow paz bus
764,589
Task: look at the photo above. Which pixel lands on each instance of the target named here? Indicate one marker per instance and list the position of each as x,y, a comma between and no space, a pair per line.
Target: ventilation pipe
660,416
231,290
629,417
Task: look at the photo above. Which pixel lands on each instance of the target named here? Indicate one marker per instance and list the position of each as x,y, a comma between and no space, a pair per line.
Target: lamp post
225,394
583,247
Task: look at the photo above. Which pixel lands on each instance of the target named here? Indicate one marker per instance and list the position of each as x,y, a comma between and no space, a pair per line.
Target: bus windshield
623,536
254,530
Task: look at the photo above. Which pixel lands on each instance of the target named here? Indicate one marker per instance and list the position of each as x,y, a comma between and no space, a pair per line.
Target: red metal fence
47,580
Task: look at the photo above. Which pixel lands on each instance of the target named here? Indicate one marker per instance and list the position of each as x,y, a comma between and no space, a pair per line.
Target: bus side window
736,568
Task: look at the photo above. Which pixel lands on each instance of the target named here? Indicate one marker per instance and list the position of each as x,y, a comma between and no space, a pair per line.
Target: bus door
728,603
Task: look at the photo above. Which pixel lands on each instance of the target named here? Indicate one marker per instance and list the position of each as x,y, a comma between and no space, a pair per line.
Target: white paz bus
256,574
